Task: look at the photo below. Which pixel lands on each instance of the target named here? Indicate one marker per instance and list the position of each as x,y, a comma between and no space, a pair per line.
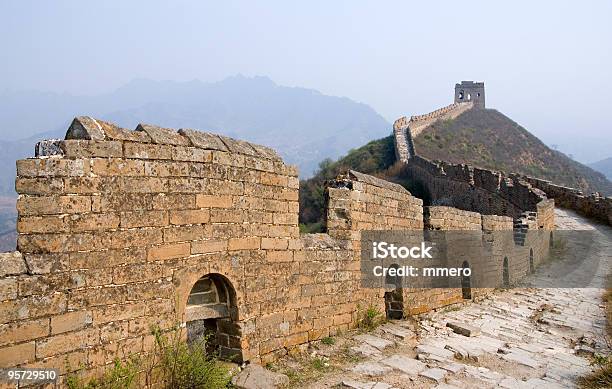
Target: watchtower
470,91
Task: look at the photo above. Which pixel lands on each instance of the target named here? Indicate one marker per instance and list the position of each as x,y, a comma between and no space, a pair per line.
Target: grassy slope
491,140
484,138
374,157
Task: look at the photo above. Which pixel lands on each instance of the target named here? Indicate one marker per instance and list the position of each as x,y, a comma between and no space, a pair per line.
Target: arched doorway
394,299
550,241
211,311
466,287
531,264
505,273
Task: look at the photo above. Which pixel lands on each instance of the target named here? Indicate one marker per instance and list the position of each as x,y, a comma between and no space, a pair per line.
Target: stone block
29,205
70,321
12,263
39,186
8,289
85,127
23,330
212,201
91,148
169,251
164,136
182,217
252,243
15,355
63,343
147,151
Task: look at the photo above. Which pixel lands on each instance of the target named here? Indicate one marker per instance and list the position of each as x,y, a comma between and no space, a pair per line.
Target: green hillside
486,138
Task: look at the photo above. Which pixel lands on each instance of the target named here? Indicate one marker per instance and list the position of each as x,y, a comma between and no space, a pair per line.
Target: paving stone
400,332
365,385
257,377
372,369
435,374
374,341
521,358
453,367
463,329
366,350
441,352
404,364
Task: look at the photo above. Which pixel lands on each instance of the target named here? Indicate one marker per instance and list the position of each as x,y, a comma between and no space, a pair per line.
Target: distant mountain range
604,166
304,125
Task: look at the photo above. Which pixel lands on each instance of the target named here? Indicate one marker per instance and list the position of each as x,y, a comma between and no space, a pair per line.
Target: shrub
172,364
370,319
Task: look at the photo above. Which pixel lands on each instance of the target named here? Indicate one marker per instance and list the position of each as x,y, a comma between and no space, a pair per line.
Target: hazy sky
546,64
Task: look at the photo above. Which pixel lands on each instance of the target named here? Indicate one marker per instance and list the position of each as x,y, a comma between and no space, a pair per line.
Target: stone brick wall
594,205
404,130
123,230
469,188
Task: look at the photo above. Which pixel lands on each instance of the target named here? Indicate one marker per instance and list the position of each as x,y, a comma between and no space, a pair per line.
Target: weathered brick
144,185
136,273
41,224
122,202
23,330
113,332
32,307
252,243
91,185
192,154
184,233
144,219
12,263
203,140
63,343
191,216
117,167
146,151
226,215
85,298
168,251
91,148
107,258
70,321
174,201
46,263
93,222
52,167
8,289
28,205
164,135
208,246
14,355
50,283
209,201
39,186
118,312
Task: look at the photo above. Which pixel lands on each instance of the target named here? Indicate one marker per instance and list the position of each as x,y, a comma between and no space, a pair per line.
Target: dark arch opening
466,288
212,312
505,273
394,300
531,264
550,240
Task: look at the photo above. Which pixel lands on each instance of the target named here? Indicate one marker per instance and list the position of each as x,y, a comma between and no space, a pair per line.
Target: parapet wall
405,130
480,190
594,205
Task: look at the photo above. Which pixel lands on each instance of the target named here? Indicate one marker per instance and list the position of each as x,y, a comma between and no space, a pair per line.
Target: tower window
461,95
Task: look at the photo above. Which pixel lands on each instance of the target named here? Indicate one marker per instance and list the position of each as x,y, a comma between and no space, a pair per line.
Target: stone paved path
520,338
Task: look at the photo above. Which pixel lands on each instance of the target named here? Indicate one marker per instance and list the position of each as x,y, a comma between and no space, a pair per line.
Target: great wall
123,230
